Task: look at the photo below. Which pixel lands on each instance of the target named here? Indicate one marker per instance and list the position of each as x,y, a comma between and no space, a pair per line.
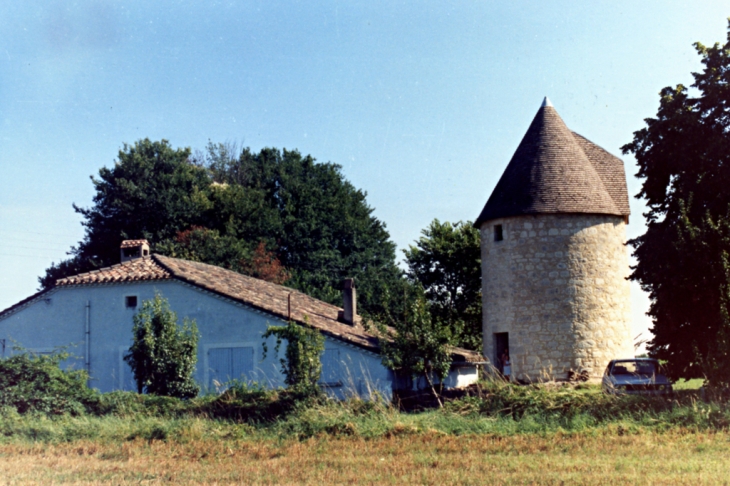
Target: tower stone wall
556,283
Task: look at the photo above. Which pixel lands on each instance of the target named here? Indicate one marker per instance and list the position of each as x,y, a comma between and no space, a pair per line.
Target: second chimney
349,297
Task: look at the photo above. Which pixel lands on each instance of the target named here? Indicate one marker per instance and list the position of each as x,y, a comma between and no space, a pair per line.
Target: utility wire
25,256
33,248
41,233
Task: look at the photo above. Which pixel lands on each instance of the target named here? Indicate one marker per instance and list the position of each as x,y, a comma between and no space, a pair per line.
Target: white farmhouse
92,312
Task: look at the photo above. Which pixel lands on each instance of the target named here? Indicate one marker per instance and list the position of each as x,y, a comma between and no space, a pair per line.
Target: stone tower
554,264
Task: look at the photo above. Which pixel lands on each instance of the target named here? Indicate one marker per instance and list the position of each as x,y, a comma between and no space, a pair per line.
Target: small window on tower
131,301
498,236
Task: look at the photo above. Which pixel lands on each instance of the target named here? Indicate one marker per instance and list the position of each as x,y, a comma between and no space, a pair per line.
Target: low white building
92,313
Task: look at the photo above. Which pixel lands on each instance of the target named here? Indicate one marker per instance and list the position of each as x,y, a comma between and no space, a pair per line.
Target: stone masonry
557,284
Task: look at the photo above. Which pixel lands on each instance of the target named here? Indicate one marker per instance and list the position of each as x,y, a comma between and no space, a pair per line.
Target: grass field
501,434
605,457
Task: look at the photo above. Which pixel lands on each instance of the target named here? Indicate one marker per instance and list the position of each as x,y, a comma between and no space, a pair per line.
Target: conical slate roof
555,170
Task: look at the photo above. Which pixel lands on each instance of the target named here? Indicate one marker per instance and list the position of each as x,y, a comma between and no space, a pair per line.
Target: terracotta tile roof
555,170
268,297
134,270
133,243
265,296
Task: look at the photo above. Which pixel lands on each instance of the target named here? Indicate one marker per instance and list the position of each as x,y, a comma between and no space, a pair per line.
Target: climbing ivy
302,364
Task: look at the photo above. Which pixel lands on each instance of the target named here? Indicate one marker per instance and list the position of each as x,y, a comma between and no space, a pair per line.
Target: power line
26,256
33,248
25,239
41,233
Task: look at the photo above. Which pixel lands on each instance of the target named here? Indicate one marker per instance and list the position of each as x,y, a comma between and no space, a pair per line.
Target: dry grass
608,456
506,435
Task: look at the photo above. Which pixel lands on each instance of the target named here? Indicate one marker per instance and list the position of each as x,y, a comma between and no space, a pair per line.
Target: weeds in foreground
55,406
515,434
246,412
36,383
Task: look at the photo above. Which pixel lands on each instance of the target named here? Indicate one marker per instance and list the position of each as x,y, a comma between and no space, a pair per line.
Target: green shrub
418,345
129,404
584,406
36,383
254,404
163,356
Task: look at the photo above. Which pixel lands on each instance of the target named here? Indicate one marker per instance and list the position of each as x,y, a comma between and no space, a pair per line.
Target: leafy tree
200,244
217,207
320,226
302,362
266,266
418,345
446,261
151,192
695,242
684,161
162,355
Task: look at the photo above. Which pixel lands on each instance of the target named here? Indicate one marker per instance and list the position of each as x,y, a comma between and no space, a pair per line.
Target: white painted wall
58,318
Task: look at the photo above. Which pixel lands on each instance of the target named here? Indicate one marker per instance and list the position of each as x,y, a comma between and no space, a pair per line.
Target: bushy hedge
36,383
255,404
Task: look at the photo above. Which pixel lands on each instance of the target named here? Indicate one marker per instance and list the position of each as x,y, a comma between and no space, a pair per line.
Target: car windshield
645,368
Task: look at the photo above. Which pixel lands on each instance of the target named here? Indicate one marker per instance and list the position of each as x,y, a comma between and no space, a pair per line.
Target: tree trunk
433,390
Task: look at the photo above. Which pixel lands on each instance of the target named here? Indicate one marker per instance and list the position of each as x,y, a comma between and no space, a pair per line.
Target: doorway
501,344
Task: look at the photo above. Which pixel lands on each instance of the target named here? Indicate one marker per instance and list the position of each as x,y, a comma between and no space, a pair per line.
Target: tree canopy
682,260
274,214
151,192
446,262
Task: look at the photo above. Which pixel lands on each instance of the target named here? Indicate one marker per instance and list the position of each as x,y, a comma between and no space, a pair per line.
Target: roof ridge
107,273
257,281
175,274
97,270
593,143
611,170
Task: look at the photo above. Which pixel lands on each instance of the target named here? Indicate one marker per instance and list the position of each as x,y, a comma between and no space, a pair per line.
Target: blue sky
422,103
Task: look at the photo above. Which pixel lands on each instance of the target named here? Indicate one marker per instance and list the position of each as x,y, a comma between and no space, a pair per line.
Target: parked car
640,376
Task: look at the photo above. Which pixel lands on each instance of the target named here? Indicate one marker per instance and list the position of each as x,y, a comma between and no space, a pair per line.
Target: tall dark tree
151,192
318,224
446,262
220,206
682,259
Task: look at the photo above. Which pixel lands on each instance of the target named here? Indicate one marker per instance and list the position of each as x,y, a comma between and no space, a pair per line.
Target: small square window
131,301
498,235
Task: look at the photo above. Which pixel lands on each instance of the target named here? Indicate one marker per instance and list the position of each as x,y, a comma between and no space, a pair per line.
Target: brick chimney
348,314
133,249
